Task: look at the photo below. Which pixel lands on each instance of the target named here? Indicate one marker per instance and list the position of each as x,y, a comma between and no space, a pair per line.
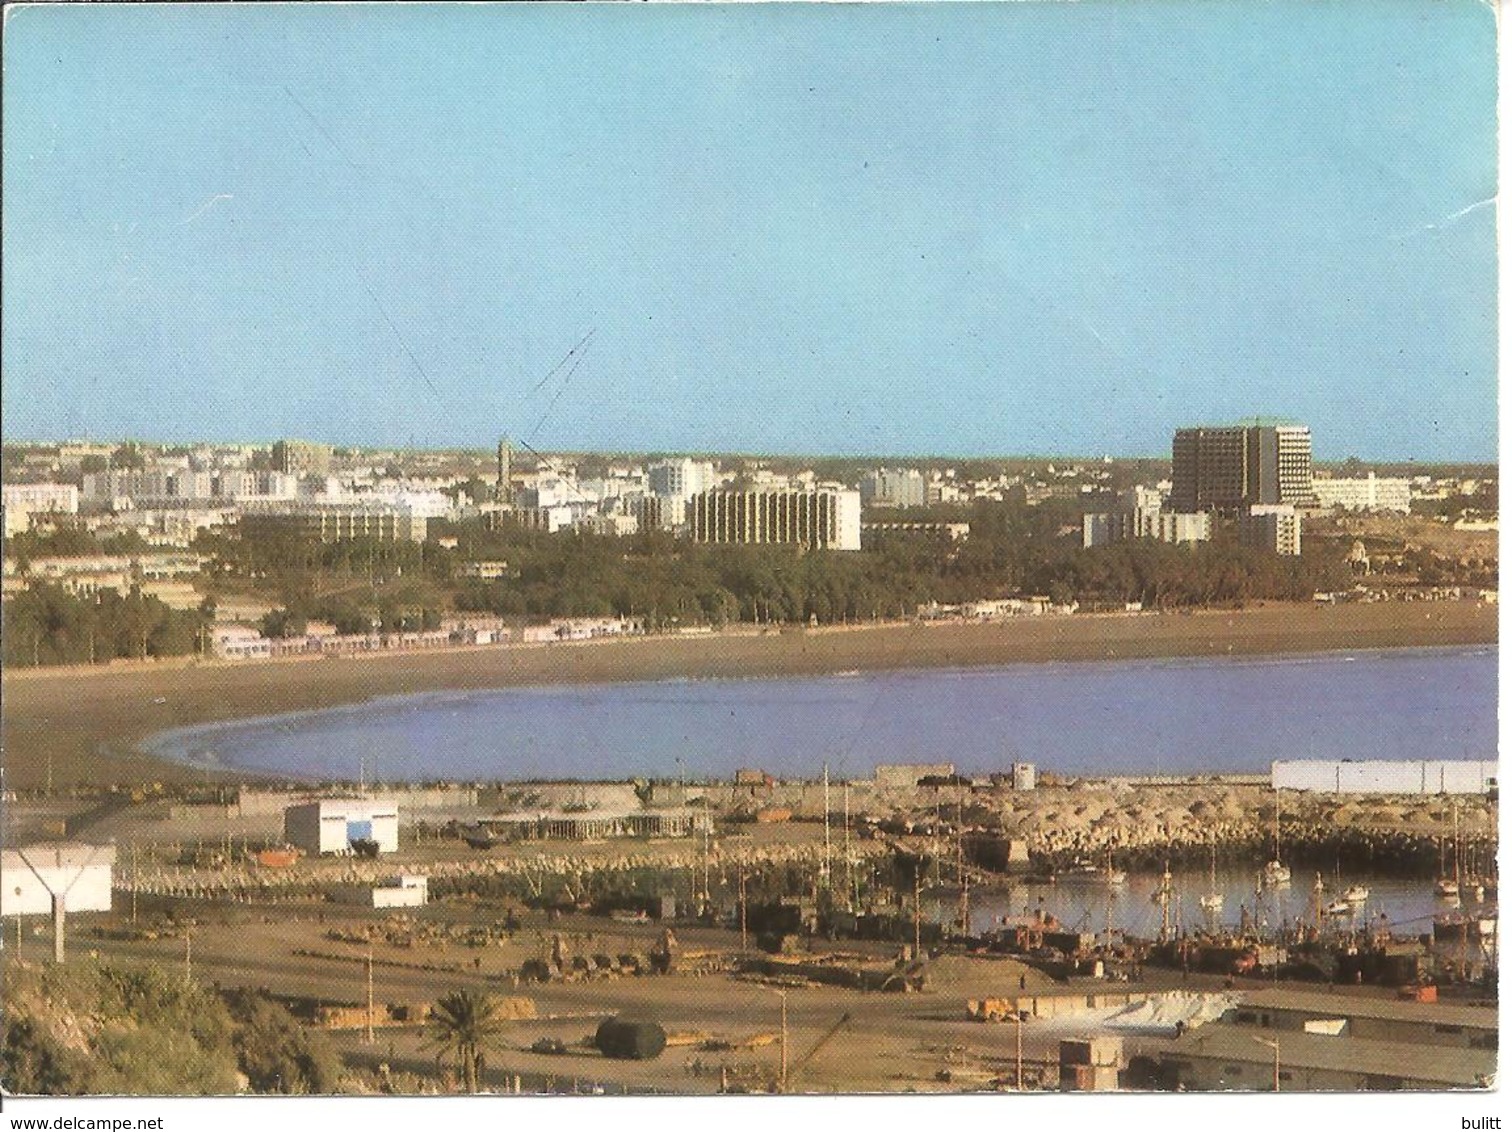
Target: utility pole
916,913
742,909
825,874
706,865
852,896
369,1039
1018,1047
784,1077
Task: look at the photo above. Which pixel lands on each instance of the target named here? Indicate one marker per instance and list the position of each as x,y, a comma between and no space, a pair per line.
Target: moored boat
1275,874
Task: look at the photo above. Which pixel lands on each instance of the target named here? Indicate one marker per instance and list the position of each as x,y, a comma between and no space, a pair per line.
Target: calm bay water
1406,904
1231,715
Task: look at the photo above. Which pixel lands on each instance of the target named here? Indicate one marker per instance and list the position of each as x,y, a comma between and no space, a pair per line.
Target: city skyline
1040,229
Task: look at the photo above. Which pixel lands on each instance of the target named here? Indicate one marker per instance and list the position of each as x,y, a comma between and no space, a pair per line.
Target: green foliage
85,1029
47,625
1013,548
33,1062
129,457
280,623
56,542
463,1025
277,1054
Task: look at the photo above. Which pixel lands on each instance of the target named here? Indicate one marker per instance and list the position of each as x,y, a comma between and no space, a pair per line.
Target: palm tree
462,1025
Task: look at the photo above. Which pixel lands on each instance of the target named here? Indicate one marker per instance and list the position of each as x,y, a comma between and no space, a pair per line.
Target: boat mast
1454,808
852,897
824,872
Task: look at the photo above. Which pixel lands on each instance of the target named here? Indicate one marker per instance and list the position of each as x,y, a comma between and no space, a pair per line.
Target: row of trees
1012,549
365,584
45,624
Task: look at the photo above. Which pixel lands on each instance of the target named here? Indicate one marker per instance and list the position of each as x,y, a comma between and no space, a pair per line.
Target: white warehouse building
330,825
1382,776
31,876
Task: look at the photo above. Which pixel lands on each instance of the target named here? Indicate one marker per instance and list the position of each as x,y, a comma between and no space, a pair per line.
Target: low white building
403,891
239,642
1385,776
30,876
330,825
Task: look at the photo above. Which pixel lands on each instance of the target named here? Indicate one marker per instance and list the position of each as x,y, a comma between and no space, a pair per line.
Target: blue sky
979,229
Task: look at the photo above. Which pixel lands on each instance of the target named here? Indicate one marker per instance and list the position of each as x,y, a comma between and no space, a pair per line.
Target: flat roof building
887,487
1385,776
1368,493
820,519
1222,1057
598,825
1378,1019
331,825
1232,467
300,457
1274,527
330,522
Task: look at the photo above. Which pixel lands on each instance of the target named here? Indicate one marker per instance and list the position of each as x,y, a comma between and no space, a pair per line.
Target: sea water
1149,717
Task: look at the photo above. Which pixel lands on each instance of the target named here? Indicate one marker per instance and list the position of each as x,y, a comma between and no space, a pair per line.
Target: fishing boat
1162,895
1275,874
1115,877
1212,901
1356,894
1340,908
1448,887
1081,867
1457,927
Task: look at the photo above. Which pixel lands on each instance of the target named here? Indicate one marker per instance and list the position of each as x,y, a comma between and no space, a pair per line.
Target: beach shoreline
85,727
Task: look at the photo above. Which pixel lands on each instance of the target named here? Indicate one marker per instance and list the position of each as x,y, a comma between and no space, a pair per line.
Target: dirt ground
82,726
892,1042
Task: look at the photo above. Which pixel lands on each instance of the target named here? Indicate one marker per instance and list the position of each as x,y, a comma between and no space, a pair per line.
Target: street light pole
784,1076
742,910
1018,1049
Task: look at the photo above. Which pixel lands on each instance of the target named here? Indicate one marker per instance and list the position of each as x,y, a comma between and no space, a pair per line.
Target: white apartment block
886,487
675,482
824,518
1370,493
1142,517
61,497
20,501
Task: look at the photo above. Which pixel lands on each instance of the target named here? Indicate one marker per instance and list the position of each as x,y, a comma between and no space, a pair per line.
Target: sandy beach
83,726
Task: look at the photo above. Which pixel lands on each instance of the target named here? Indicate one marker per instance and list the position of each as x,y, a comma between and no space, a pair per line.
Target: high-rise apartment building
825,518
674,483
885,487
1234,467
300,457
